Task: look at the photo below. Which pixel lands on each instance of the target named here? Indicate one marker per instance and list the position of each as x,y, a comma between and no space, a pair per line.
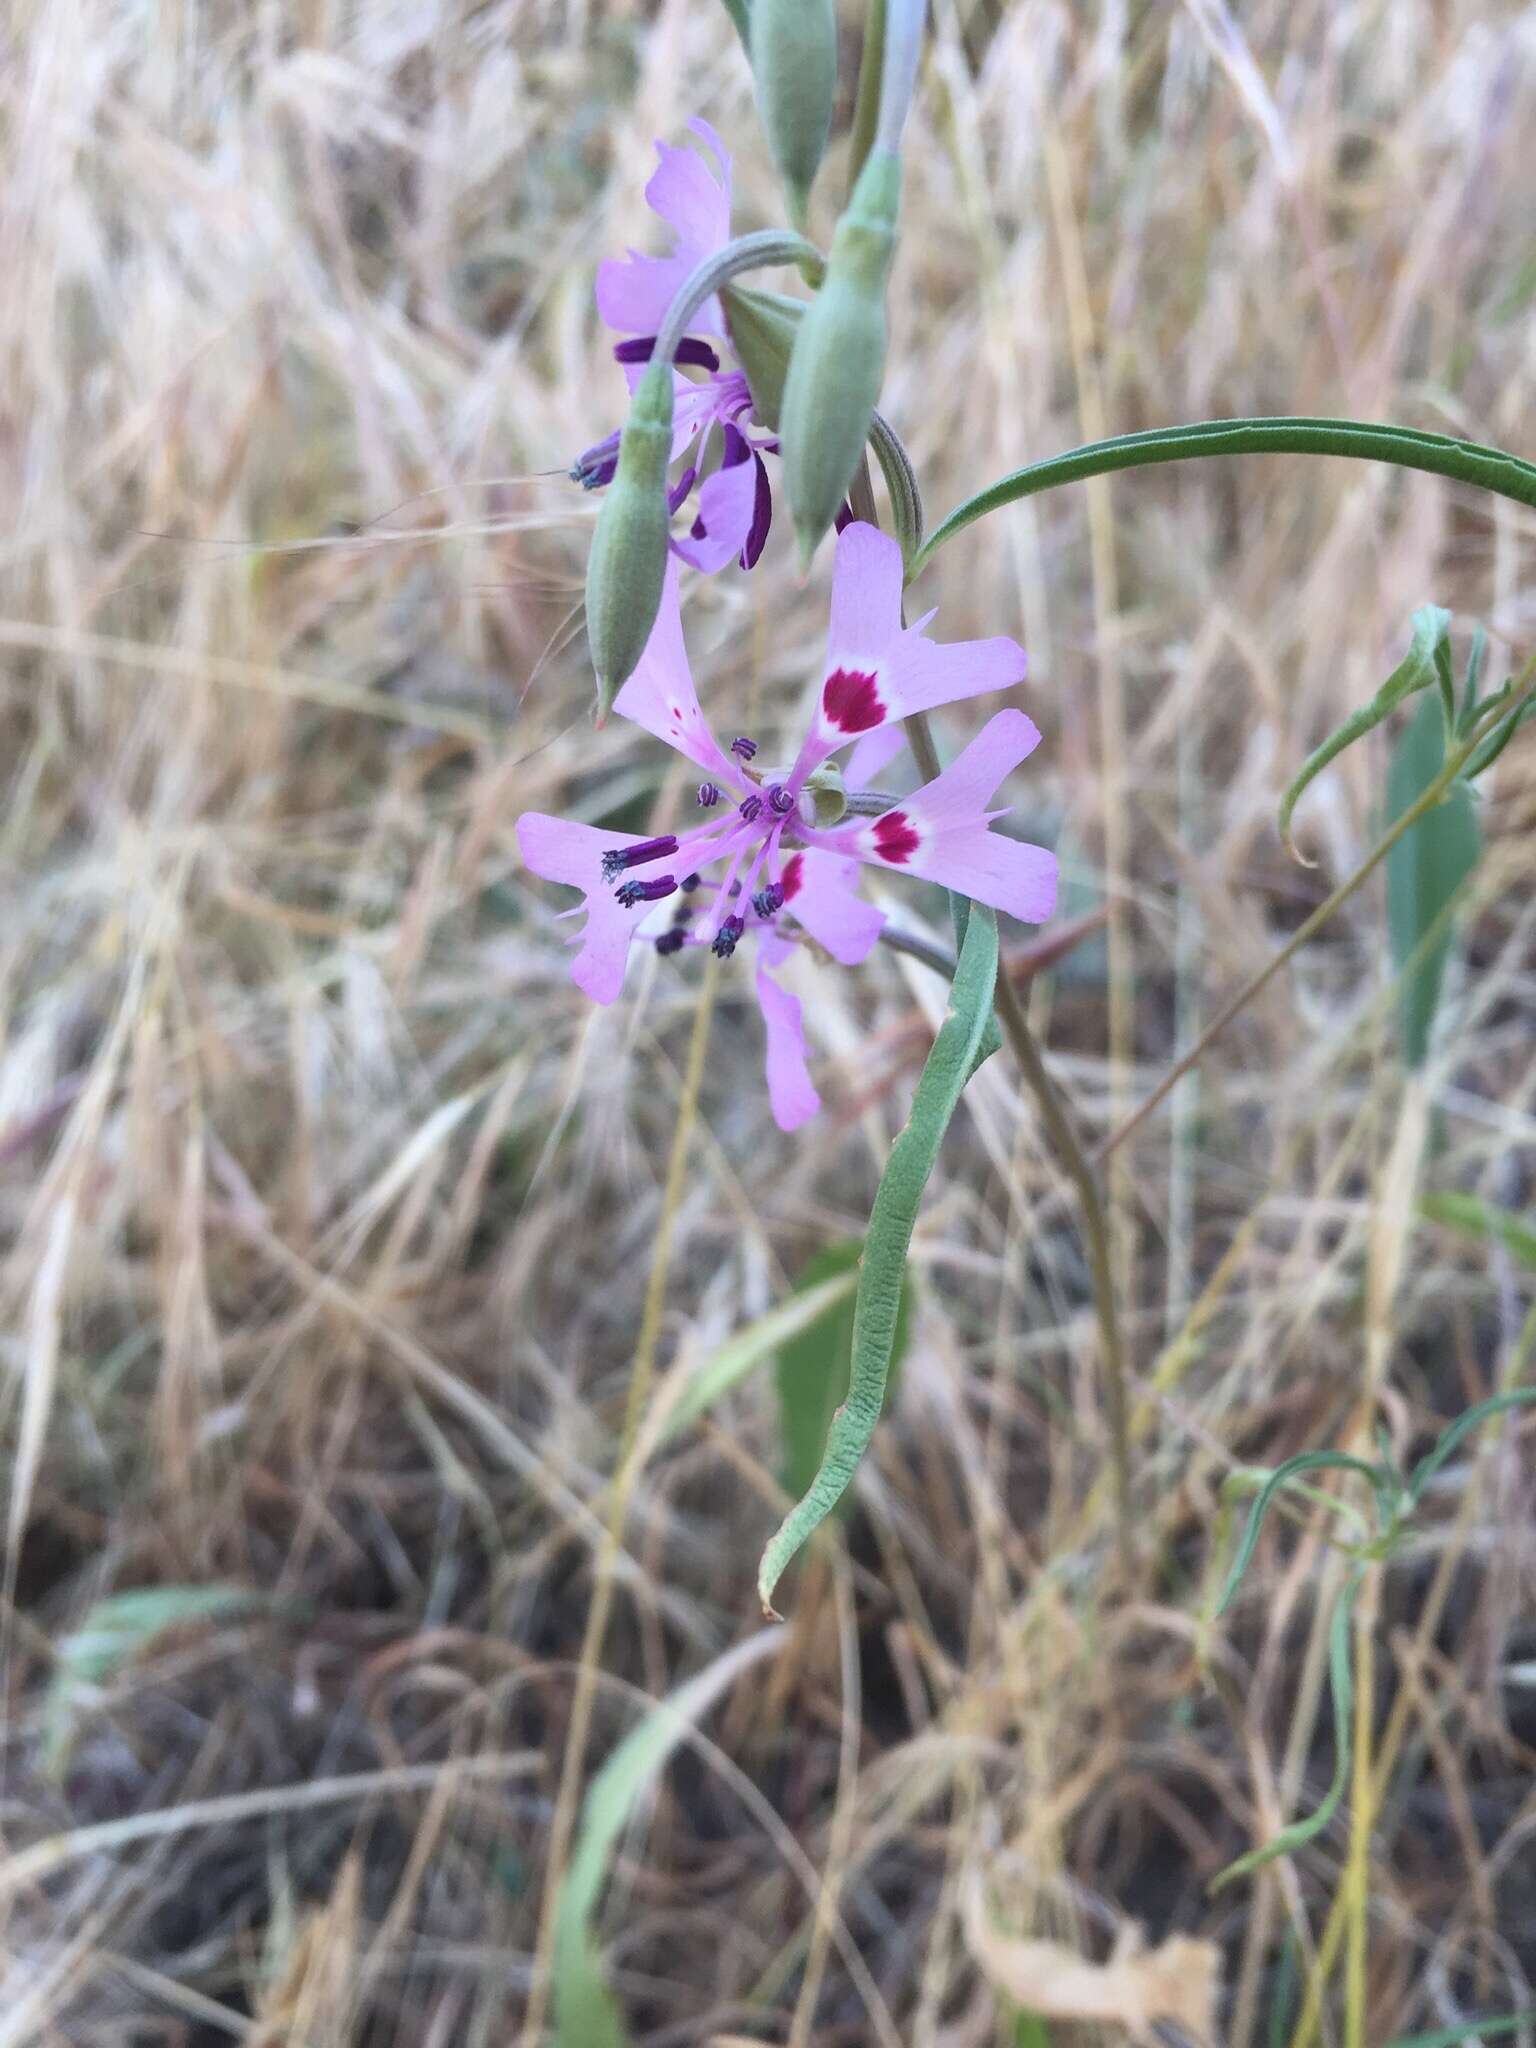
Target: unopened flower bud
794,65
839,356
628,559
762,327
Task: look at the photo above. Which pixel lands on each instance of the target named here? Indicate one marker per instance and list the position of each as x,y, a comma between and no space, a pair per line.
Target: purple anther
595,466
780,802
618,858
690,353
689,883
768,900
672,941
724,942
751,807
709,795
631,893
743,748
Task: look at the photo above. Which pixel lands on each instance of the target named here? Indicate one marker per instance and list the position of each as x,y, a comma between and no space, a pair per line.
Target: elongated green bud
762,327
839,356
794,64
629,549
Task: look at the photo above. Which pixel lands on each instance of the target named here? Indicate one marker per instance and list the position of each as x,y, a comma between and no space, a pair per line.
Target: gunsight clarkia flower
757,865
734,505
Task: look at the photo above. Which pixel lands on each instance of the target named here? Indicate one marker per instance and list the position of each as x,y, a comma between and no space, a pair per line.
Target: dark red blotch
895,838
850,700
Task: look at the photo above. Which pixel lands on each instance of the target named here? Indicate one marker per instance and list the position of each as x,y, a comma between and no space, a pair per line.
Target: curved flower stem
568,1798
1058,1126
760,251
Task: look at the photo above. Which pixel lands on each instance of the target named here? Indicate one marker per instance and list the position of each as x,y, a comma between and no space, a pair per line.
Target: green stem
1455,762
1465,461
1080,1170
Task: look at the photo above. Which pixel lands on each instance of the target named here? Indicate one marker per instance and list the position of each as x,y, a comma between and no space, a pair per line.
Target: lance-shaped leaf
1419,667
877,1313
813,1363
1426,871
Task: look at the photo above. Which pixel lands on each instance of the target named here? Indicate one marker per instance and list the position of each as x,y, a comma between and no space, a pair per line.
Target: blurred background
329,1205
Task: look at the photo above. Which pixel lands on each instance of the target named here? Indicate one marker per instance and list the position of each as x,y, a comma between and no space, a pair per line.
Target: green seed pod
839,356
629,549
762,327
794,64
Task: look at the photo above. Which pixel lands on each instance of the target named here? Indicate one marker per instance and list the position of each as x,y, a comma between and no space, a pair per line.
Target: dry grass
326,1201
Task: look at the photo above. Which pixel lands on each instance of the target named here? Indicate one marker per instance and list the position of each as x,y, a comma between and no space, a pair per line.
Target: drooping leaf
1473,1418
813,1365
114,1631
1425,871
1490,469
1428,659
948,1068
1341,1680
586,2013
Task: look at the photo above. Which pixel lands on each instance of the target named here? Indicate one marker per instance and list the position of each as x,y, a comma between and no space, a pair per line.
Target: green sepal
838,357
628,559
793,44
762,327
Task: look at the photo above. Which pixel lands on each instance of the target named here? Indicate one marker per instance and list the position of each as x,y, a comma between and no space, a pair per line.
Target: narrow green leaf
1467,462
1030,2031
114,1631
586,2013
1468,2030
813,1364
1308,1461
1428,657
1341,1679
1462,1427
948,1068
1483,1219
1425,872
807,1307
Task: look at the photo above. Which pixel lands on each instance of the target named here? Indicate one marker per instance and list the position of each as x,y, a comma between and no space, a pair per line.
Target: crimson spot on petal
850,701
895,838
793,875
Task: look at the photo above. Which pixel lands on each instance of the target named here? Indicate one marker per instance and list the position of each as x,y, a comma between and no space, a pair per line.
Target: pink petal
560,850
635,292
941,831
661,697
871,754
725,504
866,596
821,893
876,672
791,1096
633,295
687,195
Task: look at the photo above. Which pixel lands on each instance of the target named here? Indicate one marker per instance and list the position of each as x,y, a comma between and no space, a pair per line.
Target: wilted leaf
1136,1988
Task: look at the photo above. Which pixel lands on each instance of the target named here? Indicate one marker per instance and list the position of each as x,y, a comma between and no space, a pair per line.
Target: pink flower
775,874
734,504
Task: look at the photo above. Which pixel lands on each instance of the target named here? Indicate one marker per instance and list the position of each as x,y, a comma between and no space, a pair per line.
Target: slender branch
1455,761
